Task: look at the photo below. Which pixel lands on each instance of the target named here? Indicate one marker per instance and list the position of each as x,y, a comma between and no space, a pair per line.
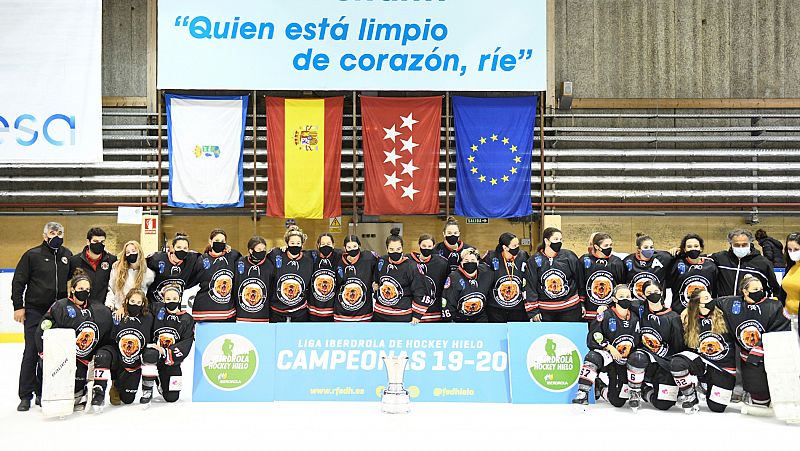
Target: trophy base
395,403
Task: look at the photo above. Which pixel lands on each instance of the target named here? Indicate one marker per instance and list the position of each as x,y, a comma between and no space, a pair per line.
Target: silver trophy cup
395,398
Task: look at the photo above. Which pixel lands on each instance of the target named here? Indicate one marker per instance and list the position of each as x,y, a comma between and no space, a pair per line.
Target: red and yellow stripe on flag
304,149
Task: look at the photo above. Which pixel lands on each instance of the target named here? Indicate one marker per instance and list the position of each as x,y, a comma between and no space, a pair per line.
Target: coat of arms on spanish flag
304,147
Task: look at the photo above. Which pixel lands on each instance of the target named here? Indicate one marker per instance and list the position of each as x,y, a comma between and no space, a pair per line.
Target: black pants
706,373
300,316
499,315
30,376
573,315
754,381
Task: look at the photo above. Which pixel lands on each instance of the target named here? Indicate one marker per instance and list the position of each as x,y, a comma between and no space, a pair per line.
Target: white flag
206,143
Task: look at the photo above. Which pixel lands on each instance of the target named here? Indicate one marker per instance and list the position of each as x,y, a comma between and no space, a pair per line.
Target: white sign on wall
457,45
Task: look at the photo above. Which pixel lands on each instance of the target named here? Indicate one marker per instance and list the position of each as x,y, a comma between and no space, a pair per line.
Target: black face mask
470,267
181,255
82,296
514,251
556,246
757,296
353,252
131,258
395,256
426,252
258,256
452,239
294,250
624,303
325,250
606,251
172,306
134,310
97,248
693,254
218,246
55,242
655,298
711,305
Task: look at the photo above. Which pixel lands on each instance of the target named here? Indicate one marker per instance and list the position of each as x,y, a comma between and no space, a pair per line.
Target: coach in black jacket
740,259
96,262
39,280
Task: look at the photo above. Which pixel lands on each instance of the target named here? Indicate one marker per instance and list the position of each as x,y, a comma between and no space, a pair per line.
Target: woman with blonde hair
129,272
294,268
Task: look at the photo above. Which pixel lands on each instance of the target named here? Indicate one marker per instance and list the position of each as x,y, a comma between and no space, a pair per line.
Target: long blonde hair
691,326
121,268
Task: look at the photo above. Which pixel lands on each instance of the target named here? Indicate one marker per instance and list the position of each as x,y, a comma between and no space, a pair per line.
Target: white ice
361,425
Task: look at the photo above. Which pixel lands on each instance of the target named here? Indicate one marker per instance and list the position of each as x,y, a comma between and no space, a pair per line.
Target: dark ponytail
505,240
547,234
394,236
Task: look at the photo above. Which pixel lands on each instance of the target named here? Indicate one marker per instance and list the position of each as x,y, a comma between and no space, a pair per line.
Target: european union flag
494,140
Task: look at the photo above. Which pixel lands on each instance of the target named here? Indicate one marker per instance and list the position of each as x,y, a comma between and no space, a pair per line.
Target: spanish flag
304,148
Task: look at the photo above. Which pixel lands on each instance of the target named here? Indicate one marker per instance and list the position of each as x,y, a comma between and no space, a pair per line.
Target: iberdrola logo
554,362
230,362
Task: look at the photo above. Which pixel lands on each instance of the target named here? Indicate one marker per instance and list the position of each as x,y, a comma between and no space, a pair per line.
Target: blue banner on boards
546,361
447,362
234,362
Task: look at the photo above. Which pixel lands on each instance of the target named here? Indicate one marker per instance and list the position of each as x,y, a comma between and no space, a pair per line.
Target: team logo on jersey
278,261
462,283
447,283
221,286
612,324
749,333
130,343
161,313
599,287
86,339
690,284
554,363
587,262
290,289
380,264
712,346
240,267
736,308
538,260
495,264
71,311
324,285
629,264
64,260
104,266
158,293
507,291
638,281
554,282
166,336
206,263
252,295
230,362
472,304
390,291
652,340
353,295
624,345
681,267
161,267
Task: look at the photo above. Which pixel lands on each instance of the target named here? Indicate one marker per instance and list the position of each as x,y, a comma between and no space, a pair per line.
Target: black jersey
638,271
453,255
465,298
252,283
323,284
661,333
617,330
214,301
716,349
292,281
401,290
749,322
353,303
131,334
169,273
598,277
434,271
174,332
554,280
685,277
510,287
92,325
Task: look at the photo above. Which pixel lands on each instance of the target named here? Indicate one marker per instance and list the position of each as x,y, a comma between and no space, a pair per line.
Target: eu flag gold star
482,178
482,140
505,178
471,158
513,149
474,148
474,170
493,182
505,140
494,137
513,170
517,160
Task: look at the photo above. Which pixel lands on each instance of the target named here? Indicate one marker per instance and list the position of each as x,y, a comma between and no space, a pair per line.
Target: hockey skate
147,394
599,388
80,401
98,399
581,399
635,399
689,402
749,407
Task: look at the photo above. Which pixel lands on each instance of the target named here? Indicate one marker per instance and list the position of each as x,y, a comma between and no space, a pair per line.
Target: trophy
395,398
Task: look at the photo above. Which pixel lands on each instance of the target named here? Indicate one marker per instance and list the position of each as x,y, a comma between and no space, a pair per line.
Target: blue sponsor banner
234,362
546,361
447,362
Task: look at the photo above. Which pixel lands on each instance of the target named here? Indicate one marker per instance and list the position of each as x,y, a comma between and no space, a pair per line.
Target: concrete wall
124,48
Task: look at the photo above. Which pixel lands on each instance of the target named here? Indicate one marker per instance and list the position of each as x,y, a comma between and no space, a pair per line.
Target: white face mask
794,255
741,252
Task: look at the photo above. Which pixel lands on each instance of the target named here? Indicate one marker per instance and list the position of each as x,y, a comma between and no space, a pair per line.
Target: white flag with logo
206,144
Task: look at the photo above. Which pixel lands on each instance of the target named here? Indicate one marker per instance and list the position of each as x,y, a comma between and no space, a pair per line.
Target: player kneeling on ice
709,360
661,337
92,325
749,316
613,334
173,334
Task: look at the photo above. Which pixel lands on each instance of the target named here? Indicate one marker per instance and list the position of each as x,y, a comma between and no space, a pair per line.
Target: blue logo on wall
53,128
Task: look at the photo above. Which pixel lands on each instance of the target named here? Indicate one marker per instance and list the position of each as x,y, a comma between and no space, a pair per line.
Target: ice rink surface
360,425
